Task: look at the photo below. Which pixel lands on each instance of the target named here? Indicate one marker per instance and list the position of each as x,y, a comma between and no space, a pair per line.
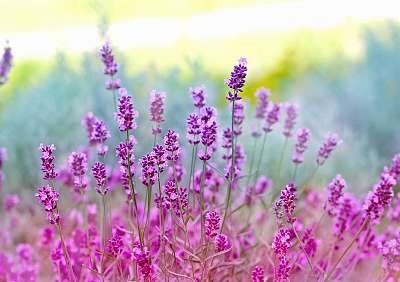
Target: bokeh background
339,60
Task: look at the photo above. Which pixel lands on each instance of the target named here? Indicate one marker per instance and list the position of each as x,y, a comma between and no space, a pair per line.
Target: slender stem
253,153
260,157
65,251
366,220
296,166
303,249
232,170
202,198
281,159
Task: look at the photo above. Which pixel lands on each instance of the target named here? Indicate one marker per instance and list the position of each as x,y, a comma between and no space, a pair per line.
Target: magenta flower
348,209
221,243
282,242
282,272
390,250
208,135
212,223
171,143
193,129
107,57
160,156
115,245
331,142
257,275
142,258
125,153
77,163
395,167
290,121
10,201
156,111
49,197
149,169
271,117
97,132
262,95
47,159
126,114
303,136
379,198
335,192
198,96
100,175
237,80
238,118
288,199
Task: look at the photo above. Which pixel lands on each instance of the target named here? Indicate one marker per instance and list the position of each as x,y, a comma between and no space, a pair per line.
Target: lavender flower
193,129
97,132
282,242
288,199
331,142
175,198
303,136
390,250
198,96
107,57
272,116
125,153
282,272
49,197
171,143
335,192
238,118
77,163
262,103
221,243
291,115
208,135
160,157
395,168
47,159
10,201
257,275
156,112
149,170
237,80
5,65
142,258
126,114
212,223
379,198
100,175
348,209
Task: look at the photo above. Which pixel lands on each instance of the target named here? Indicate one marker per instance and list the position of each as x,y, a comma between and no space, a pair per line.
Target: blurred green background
339,60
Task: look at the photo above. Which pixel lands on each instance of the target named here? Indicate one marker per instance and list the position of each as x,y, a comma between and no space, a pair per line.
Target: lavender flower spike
107,57
5,65
272,116
331,142
47,159
262,104
237,80
100,175
126,114
156,111
198,96
335,193
303,136
291,115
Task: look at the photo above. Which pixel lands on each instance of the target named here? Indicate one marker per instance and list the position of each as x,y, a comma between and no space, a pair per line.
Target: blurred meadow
339,60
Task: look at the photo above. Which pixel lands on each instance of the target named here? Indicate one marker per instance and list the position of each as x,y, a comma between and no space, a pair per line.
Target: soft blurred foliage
357,98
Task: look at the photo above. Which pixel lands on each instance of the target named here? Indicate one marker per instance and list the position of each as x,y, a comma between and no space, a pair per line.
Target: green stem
253,153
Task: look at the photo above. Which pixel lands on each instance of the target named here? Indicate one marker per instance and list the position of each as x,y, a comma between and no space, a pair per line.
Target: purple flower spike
156,112
208,135
288,199
126,114
237,80
290,121
47,159
331,142
212,223
238,118
142,258
5,65
262,95
303,136
198,96
49,197
335,193
395,168
379,198
193,129
107,57
149,170
125,153
272,116
257,275
221,243
171,143
100,175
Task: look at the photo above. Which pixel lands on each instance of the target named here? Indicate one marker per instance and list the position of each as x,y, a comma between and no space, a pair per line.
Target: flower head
379,198
100,175
212,223
288,199
331,142
335,192
237,80
262,95
142,258
238,118
171,143
193,129
156,111
47,159
49,197
271,117
303,136
149,169
291,115
107,57
198,96
126,114
221,243
257,275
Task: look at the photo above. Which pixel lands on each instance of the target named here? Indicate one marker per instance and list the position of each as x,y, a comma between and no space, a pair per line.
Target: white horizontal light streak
230,22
